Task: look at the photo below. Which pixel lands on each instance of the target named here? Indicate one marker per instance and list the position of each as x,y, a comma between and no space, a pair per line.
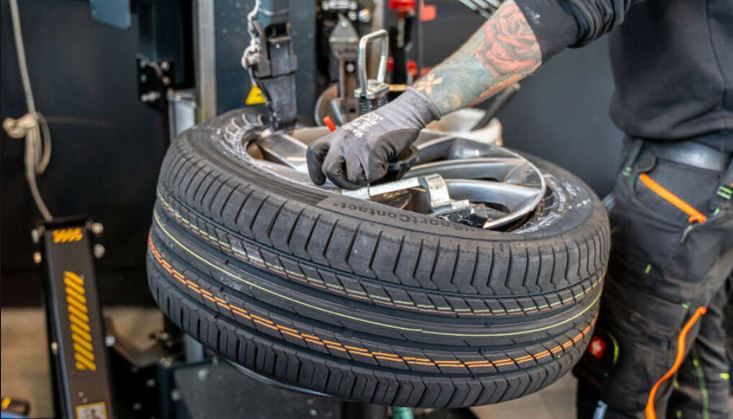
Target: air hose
32,126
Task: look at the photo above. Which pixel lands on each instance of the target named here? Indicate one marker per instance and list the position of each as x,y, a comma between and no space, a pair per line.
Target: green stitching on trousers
701,383
616,349
725,192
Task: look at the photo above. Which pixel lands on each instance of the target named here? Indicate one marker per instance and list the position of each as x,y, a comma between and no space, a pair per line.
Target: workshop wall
107,145
561,112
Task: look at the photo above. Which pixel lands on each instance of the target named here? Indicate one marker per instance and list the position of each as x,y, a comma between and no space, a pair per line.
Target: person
658,349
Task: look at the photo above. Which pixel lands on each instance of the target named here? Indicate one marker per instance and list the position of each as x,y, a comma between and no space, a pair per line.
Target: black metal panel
76,332
231,39
107,145
165,28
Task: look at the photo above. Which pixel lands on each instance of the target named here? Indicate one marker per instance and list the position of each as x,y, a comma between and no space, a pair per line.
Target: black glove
358,152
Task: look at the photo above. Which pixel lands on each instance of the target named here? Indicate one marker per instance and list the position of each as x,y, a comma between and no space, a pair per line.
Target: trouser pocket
640,334
699,266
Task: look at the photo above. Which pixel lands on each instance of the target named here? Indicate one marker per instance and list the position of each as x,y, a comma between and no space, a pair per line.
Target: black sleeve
559,24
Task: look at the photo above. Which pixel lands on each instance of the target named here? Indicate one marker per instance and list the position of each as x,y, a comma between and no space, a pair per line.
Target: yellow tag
255,96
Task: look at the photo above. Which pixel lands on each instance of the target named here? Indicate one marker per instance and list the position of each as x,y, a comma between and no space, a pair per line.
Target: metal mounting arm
271,60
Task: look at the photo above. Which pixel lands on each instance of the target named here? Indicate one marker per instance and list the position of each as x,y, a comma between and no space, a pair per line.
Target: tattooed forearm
503,51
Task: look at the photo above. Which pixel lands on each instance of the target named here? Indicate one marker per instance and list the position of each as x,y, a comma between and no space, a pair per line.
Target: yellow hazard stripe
78,313
83,352
79,322
67,235
73,277
81,305
83,363
79,289
85,335
78,304
81,341
70,292
78,317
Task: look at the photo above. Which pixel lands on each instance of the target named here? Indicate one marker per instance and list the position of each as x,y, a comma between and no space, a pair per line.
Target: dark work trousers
659,349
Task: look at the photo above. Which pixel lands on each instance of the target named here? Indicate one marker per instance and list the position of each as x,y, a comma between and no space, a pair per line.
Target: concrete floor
25,368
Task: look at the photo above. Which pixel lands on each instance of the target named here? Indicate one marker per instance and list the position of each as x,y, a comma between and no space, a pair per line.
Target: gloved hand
358,152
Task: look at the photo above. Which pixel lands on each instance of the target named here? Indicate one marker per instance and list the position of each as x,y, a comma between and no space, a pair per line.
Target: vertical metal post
419,38
379,19
204,42
181,112
205,46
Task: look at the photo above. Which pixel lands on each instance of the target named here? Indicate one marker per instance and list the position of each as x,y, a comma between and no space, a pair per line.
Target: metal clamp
271,61
434,186
372,93
344,42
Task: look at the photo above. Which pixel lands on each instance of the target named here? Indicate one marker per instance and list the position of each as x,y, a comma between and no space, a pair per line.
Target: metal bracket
372,93
344,42
441,204
154,78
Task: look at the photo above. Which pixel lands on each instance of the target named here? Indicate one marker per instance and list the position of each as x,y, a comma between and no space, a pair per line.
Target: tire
367,302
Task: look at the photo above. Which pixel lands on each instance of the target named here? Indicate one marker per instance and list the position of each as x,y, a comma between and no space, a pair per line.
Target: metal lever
500,100
372,93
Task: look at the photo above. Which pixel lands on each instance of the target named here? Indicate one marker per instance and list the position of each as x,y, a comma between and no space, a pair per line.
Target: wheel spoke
432,147
490,168
511,197
284,149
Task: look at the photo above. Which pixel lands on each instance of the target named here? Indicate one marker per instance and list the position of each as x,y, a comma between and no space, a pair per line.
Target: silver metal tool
372,93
